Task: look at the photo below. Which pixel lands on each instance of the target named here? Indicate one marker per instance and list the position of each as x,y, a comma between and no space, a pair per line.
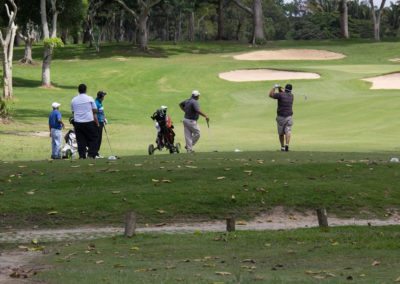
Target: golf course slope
290,54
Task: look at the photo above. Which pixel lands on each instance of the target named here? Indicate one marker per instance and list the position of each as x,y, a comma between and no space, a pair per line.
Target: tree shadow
29,83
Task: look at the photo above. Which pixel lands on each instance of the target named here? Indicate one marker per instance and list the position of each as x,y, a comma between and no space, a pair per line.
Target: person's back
285,103
82,106
191,108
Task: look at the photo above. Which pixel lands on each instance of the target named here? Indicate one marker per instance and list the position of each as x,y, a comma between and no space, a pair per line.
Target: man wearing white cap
55,126
191,107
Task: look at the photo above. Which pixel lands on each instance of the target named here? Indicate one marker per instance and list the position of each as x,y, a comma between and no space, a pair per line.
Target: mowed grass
360,255
204,186
335,113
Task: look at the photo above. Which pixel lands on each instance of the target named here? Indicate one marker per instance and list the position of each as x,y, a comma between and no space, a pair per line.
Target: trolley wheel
178,148
151,149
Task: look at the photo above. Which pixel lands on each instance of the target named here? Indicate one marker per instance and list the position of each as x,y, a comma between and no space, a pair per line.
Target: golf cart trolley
165,133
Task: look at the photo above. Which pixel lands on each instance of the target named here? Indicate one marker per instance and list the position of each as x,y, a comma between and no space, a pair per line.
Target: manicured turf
174,187
360,255
339,114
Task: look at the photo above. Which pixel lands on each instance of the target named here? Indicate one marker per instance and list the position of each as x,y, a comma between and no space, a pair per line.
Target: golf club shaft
109,145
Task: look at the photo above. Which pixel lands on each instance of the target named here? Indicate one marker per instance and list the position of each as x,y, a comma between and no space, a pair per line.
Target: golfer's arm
202,114
95,117
272,92
182,106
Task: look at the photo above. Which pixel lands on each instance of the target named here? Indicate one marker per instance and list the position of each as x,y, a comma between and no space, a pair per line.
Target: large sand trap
265,75
388,82
290,54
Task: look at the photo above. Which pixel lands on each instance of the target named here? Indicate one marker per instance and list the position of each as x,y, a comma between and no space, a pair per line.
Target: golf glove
105,121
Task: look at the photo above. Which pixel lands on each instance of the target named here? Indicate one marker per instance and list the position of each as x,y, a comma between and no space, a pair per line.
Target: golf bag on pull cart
165,133
71,146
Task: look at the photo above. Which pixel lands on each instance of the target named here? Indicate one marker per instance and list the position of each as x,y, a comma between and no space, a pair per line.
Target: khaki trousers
192,133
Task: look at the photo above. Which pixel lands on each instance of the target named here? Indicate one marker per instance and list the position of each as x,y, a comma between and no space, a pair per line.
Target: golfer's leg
287,138
92,136
100,138
282,140
80,140
195,133
53,144
188,134
57,143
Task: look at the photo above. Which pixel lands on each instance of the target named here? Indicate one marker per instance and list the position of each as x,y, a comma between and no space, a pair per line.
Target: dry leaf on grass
135,248
75,166
115,192
221,178
242,223
191,167
223,273
375,263
397,279
99,261
166,181
161,211
32,192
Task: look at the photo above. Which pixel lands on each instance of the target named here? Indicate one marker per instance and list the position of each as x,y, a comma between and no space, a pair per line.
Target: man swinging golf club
191,107
284,113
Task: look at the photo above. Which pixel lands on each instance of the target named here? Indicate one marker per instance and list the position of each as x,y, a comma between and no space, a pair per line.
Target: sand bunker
395,60
265,75
290,54
388,82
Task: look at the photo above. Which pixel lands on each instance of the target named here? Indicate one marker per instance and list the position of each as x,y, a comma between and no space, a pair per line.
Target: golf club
112,157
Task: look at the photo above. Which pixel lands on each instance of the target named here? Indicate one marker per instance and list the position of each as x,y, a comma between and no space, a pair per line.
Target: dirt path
278,219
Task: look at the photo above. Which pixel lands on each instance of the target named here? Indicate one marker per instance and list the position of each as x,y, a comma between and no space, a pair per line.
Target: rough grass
360,255
197,186
339,114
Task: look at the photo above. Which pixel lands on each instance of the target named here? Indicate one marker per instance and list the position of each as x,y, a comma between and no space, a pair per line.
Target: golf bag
165,134
71,146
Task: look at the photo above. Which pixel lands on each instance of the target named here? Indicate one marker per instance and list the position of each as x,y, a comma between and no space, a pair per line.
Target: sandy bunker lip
385,82
253,75
290,54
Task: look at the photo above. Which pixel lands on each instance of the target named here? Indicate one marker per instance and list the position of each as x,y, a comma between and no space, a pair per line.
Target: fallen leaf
223,273
166,181
227,169
30,192
242,223
191,167
52,212
75,166
115,192
233,197
397,279
138,165
155,180
376,263
118,265
161,211
135,248
22,166
221,178
34,241
249,260
319,276
99,261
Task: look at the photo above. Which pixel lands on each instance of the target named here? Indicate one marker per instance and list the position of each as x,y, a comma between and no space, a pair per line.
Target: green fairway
360,255
203,186
339,114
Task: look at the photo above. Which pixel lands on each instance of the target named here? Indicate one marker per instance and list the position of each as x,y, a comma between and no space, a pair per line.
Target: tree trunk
344,19
121,26
238,28
191,26
64,35
27,59
48,53
7,75
220,12
377,27
376,18
143,34
258,22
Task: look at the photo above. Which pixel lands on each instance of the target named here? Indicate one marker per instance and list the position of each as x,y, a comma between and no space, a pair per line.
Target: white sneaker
99,157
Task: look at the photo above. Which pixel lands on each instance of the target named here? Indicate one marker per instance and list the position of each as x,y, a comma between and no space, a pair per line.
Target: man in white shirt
86,124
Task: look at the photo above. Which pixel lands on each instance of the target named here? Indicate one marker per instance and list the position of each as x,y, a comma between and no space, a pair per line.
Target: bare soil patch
34,134
290,54
385,82
253,75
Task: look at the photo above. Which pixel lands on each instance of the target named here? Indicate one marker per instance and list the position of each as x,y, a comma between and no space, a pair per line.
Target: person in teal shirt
101,118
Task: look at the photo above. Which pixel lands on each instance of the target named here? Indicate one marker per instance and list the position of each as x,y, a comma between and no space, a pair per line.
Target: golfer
55,126
101,118
284,113
191,107
86,124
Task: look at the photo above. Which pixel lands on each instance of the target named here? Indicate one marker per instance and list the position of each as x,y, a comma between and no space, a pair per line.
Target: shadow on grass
25,114
28,83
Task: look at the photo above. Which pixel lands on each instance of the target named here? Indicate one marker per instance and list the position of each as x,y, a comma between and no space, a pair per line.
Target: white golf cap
195,93
55,105
163,107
